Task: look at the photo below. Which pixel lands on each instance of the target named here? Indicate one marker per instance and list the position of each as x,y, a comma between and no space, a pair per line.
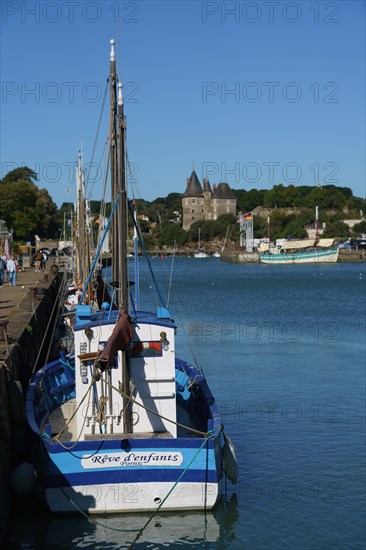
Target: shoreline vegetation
28,215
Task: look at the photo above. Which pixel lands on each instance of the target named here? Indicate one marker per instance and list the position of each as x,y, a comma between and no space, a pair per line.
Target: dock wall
29,332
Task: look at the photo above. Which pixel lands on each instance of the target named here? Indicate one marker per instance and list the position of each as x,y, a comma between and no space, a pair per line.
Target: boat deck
60,420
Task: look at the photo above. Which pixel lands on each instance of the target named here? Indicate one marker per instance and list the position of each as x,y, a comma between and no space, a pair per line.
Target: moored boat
121,424
200,252
302,252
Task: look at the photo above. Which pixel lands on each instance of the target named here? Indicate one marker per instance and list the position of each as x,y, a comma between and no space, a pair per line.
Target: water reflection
37,529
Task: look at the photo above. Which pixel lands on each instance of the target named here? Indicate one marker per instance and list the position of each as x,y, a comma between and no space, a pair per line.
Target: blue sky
252,93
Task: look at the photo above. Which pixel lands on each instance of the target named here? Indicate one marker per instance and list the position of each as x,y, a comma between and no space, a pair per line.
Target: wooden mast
119,227
316,226
113,159
122,211
81,246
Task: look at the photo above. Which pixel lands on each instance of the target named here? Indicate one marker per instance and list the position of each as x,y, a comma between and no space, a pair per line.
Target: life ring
140,347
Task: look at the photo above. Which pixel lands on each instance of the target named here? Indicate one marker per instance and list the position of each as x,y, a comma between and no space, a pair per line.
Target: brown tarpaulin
119,340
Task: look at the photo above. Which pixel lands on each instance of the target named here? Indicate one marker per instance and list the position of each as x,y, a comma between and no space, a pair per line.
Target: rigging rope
171,275
100,414
57,303
97,134
171,490
130,398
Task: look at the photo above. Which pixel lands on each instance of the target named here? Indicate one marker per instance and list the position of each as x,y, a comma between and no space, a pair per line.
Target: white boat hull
133,497
301,257
118,472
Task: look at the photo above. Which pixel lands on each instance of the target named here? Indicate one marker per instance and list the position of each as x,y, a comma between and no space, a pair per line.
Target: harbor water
283,350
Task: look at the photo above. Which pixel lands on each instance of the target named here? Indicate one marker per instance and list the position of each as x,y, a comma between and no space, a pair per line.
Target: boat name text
110,460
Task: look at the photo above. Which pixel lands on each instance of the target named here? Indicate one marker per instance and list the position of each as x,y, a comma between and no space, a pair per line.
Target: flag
245,217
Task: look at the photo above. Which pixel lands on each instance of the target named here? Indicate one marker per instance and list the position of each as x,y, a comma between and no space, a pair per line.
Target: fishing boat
307,251
120,423
302,251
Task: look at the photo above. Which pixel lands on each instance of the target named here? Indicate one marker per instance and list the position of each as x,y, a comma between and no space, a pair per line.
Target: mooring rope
170,491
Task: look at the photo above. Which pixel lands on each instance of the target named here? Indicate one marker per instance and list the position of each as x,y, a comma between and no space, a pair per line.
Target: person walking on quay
39,257
2,271
43,262
11,266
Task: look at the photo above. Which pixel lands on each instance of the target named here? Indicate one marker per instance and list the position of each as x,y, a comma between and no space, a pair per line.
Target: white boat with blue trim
302,251
307,251
120,423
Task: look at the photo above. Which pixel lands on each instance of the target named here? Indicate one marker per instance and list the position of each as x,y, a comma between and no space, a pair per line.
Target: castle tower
206,203
224,201
193,202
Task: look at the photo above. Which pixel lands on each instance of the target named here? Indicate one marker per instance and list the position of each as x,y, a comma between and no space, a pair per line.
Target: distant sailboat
218,254
200,253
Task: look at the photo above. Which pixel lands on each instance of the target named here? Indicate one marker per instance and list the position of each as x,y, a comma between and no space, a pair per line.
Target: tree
283,197
26,208
359,227
278,221
209,230
223,222
23,173
171,234
291,196
193,231
336,229
248,200
357,203
174,202
295,230
275,197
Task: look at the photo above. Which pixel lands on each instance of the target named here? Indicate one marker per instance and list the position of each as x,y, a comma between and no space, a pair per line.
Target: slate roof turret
194,188
223,191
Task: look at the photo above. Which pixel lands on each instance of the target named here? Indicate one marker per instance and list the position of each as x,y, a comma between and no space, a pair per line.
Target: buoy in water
23,479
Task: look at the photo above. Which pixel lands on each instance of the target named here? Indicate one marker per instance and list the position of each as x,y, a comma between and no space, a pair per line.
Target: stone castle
204,203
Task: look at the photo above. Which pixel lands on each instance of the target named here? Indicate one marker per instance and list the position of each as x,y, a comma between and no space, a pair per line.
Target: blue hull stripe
138,476
70,465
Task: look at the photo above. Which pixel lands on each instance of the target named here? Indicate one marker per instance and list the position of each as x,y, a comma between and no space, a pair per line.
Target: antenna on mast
112,54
